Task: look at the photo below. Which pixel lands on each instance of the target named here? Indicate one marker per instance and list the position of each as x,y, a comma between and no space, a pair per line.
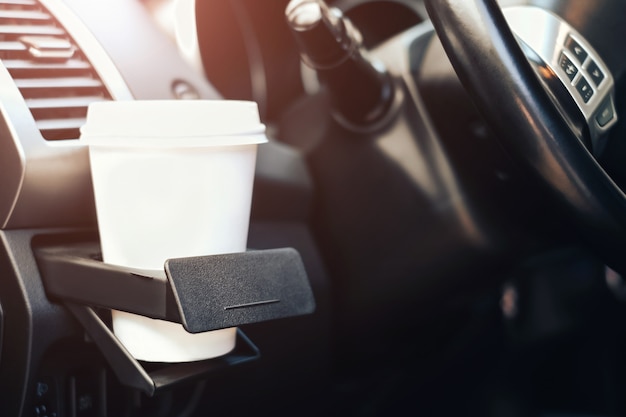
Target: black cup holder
202,293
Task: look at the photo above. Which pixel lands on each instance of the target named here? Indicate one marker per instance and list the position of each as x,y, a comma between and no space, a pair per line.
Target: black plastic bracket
202,293
132,374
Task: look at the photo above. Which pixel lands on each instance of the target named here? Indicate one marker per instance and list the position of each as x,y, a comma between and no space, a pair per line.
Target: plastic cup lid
173,123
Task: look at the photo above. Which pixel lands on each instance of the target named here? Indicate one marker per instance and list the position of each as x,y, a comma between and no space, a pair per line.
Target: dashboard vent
51,72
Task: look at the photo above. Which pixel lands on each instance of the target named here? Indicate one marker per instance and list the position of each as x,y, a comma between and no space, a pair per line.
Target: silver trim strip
85,40
12,158
47,183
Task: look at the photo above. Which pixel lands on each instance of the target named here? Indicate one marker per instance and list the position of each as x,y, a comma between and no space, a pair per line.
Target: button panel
582,72
580,63
554,47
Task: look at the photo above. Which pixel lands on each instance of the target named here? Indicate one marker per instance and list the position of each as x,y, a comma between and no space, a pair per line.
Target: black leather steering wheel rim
511,98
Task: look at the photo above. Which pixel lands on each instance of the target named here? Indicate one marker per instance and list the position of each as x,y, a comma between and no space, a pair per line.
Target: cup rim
104,141
173,123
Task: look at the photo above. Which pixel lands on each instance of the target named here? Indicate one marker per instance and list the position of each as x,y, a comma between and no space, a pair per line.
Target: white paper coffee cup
171,179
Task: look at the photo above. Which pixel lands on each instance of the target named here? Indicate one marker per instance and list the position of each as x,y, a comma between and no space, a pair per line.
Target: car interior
440,206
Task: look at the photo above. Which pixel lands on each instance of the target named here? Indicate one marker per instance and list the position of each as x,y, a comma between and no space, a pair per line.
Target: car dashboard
448,275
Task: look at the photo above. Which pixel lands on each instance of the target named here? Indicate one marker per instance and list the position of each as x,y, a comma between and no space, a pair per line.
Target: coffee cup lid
173,123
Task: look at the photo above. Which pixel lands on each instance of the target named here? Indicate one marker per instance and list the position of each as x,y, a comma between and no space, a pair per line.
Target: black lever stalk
361,91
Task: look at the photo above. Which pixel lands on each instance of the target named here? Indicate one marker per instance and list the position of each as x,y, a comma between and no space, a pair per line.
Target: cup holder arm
131,373
202,293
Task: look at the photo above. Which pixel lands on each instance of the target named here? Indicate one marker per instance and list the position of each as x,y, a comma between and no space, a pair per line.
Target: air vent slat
60,124
71,82
23,64
19,30
31,15
54,77
12,46
57,129
61,103
18,3
22,68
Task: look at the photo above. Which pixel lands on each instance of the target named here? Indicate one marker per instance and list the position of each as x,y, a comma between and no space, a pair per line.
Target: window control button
578,51
568,66
595,73
584,89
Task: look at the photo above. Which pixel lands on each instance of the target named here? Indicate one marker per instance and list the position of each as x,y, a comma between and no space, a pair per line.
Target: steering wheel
506,90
